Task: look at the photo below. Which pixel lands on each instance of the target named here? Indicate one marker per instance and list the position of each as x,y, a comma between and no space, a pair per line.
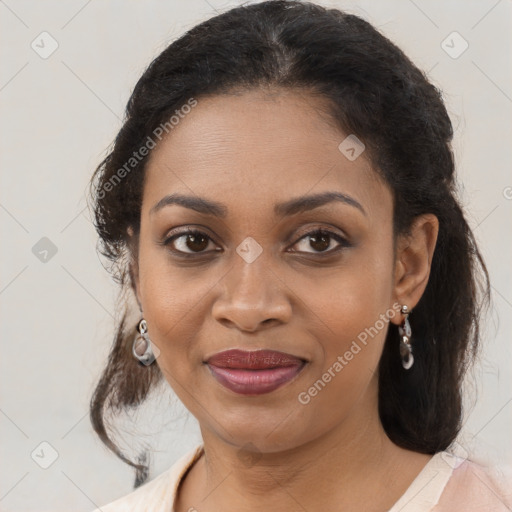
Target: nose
253,297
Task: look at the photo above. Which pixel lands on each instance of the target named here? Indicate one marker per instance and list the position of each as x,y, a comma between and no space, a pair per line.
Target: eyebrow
290,207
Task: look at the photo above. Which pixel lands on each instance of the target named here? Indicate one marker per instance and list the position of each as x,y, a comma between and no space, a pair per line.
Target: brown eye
196,243
320,240
189,242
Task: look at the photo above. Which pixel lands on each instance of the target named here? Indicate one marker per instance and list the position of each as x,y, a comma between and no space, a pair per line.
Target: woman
280,202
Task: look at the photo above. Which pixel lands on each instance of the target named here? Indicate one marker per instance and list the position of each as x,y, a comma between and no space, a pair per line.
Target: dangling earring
142,345
404,329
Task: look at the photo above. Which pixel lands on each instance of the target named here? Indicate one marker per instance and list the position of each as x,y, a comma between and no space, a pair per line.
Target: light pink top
446,484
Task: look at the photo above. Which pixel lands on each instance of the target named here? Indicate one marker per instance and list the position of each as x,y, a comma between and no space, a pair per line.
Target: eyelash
190,231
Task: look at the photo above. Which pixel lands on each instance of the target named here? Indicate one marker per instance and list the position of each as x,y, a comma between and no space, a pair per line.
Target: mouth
256,372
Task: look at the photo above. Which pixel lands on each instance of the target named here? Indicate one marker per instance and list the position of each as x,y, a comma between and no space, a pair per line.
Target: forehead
259,147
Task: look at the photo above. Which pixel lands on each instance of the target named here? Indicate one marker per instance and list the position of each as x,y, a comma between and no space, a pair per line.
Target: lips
256,372
255,360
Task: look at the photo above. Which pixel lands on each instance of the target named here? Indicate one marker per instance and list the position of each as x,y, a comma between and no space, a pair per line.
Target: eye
320,240
190,241
193,241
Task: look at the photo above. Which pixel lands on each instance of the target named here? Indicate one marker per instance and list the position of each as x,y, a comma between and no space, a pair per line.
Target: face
257,273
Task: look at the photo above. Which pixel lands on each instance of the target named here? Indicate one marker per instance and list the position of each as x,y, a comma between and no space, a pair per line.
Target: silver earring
142,345
404,329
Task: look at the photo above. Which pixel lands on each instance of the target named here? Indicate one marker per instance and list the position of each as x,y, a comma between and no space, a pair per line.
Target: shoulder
473,487
449,483
158,494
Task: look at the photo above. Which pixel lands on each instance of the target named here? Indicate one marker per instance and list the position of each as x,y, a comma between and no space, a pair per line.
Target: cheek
343,376
354,296
172,305
355,308
357,324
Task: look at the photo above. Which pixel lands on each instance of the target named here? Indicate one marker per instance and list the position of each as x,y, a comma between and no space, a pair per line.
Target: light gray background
59,115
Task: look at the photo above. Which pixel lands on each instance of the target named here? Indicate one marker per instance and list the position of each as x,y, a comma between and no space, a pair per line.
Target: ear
414,254
133,269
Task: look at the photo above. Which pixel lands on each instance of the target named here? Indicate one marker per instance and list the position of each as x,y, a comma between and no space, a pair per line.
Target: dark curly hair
373,91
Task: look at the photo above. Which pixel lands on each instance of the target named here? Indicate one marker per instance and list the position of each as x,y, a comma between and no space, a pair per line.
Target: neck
354,466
